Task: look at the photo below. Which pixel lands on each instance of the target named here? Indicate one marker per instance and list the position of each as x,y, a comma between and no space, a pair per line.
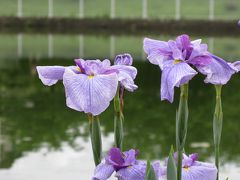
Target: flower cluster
128,168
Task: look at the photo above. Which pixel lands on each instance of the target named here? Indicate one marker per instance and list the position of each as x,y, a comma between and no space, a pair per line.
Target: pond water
40,138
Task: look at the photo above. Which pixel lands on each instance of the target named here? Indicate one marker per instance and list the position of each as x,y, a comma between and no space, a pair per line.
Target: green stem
217,125
181,126
118,121
95,133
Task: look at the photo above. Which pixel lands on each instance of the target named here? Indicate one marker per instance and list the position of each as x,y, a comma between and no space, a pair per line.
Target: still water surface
40,138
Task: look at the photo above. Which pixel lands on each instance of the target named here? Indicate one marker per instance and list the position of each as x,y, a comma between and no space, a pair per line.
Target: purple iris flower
127,75
193,169
90,85
177,60
124,164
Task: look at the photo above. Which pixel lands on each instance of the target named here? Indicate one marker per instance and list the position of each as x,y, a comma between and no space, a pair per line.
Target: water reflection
91,46
37,129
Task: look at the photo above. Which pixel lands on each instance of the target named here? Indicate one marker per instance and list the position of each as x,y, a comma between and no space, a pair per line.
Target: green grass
67,46
190,9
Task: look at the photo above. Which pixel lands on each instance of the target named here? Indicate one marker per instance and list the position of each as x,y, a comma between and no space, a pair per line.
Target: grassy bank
119,26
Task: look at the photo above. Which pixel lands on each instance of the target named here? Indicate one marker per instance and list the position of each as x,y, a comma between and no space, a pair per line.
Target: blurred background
40,138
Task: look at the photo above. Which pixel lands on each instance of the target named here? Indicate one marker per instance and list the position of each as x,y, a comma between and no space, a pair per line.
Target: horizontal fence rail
172,9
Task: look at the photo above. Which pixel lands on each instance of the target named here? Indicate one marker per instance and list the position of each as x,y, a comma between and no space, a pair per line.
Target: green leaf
118,122
95,133
171,167
150,173
118,130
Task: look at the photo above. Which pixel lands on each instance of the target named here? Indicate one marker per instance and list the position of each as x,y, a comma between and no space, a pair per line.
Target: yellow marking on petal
90,77
186,169
177,61
78,69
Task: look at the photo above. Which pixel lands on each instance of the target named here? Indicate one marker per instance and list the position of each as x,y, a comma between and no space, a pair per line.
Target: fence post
211,44
81,46
112,46
50,8
211,9
144,9
112,15
81,8
50,45
19,45
20,8
178,10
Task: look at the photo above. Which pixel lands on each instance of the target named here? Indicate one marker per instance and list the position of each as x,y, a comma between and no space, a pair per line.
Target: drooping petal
134,172
50,75
91,94
174,75
157,51
126,76
200,171
218,72
103,171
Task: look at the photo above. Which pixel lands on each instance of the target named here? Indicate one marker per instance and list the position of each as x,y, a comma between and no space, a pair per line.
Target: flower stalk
217,125
95,134
181,127
118,118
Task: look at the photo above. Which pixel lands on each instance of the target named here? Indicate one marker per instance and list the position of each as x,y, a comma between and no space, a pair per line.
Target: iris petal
157,51
50,75
218,71
200,171
126,76
103,171
174,76
136,171
91,94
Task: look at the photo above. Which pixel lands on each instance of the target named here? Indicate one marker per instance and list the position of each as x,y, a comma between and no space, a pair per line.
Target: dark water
40,138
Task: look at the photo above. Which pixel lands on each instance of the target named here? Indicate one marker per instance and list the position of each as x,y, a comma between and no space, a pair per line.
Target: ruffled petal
91,94
174,75
183,41
218,72
157,51
103,171
50,75
236,65
200,171
177,53
126,76
123,59
134,172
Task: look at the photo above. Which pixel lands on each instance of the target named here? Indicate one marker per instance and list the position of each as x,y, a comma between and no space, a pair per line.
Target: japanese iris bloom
124,164
193,169
179,61
90,85
126,78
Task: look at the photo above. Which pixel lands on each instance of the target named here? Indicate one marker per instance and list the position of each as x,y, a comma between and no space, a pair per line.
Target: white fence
211,7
